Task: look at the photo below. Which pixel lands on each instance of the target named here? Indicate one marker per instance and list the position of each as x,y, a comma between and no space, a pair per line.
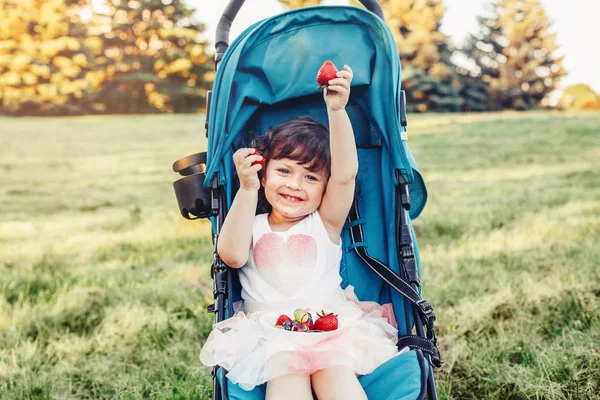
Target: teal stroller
266,77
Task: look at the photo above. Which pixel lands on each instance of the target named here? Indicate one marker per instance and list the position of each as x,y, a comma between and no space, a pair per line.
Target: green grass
510,242
104,286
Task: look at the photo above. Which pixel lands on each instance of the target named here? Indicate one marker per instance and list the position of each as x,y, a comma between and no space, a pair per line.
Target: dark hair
302,139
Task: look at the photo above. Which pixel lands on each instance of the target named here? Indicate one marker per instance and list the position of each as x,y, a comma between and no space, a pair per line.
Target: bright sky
571,21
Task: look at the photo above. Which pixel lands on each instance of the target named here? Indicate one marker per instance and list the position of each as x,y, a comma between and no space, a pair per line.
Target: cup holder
195,201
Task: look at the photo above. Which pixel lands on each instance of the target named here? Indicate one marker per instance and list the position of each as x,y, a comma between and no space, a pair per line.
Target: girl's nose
293,186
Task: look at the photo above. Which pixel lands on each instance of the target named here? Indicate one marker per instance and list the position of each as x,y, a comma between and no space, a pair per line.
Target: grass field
104,286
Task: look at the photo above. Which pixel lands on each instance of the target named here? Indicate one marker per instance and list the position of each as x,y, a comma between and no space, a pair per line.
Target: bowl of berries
302,325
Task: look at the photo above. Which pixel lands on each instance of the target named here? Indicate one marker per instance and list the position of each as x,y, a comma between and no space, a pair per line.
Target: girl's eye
283,170
312,178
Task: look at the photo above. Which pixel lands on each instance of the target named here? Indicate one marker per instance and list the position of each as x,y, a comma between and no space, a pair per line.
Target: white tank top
298,264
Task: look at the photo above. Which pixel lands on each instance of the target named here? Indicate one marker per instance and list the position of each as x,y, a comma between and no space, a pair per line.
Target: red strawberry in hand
261,162
326,73
326,322
283,318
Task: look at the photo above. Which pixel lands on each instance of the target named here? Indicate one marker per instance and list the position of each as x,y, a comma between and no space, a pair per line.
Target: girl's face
292,190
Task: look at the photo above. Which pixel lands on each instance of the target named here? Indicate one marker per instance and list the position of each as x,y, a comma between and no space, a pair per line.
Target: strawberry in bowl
303,322
326,322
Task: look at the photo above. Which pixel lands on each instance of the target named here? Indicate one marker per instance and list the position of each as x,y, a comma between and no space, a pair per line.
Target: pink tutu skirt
254,352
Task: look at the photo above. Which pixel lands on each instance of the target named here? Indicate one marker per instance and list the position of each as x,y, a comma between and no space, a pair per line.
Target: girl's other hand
337,93
243,159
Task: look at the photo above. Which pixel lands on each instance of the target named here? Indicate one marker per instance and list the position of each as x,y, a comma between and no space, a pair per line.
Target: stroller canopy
268,76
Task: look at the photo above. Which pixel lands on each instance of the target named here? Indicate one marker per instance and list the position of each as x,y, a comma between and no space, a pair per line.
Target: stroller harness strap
389,276
423,344
425,310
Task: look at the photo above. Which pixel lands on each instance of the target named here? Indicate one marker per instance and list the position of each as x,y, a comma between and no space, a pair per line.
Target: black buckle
214,201
403,121
403,186
219,279
207,113
427,309
437,361
217,267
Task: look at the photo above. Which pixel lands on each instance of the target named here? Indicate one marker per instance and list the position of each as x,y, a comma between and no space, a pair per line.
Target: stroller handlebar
232,9
222,35
374,7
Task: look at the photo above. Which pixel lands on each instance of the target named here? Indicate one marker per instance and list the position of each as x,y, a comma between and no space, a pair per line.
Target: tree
47,60
293,4
474,93
154,56
428,74
515,53
579,97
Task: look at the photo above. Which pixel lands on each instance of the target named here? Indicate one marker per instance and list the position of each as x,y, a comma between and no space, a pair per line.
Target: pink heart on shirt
285,265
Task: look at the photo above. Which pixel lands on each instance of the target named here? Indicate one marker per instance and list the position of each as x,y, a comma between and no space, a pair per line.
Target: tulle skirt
254,352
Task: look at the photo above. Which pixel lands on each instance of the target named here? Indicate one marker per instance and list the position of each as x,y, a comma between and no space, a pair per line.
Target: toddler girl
289,257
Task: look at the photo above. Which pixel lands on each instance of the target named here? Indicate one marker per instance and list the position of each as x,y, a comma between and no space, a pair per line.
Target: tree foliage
579,97
475,94
293,4
82,56
154,57
47,60
428,75
124,56
515,53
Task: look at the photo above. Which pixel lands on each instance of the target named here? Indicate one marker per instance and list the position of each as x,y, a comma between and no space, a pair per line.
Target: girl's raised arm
235,237
339,193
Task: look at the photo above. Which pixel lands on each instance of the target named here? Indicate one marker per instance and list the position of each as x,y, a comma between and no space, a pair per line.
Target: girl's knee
334,372
337,382
291,387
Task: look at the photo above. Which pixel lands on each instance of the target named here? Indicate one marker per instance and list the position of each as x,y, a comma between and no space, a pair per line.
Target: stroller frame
196,200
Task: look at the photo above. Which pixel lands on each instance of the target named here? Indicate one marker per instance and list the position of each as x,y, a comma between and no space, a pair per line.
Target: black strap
423,344
404,288
427,345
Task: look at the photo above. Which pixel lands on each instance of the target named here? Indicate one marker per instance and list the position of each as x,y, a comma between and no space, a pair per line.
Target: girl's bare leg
337,382
289,387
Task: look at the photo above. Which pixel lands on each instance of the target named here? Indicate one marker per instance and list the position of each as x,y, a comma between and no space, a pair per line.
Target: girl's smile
293,199
293,190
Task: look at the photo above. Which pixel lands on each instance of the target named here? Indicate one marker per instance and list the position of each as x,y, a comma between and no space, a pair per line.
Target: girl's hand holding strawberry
247,164
338,90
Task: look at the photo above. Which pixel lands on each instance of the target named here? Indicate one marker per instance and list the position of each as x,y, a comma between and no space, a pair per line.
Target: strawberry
283,318
326,322
326,73
261,162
